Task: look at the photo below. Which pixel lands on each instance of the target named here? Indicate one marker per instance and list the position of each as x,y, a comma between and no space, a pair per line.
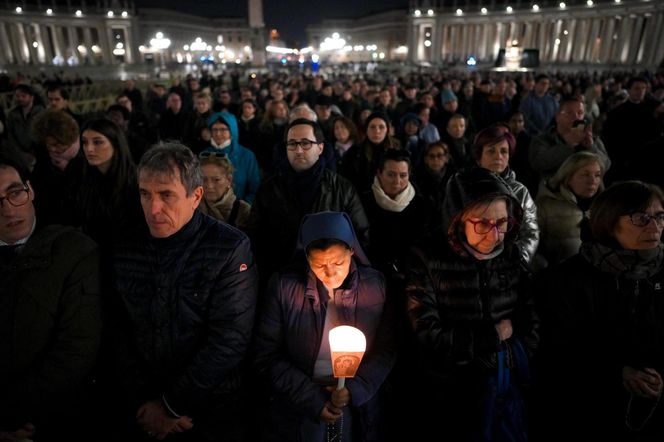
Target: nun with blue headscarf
329,285
224,143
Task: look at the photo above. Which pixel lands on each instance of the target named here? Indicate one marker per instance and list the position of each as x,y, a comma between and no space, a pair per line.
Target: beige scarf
392,205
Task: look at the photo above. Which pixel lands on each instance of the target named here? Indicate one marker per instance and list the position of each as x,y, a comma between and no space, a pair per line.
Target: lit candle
347,345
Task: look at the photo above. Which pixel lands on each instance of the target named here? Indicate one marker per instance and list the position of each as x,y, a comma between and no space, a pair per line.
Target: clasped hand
156,422
646,383
333,408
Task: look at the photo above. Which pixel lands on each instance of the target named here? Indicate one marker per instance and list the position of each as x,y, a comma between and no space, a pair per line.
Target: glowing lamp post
347,345
161,44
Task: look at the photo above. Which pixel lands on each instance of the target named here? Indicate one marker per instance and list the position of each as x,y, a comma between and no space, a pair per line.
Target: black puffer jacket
189,303
454,299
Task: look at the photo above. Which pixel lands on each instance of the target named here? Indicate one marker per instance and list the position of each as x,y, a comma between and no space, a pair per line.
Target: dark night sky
290,17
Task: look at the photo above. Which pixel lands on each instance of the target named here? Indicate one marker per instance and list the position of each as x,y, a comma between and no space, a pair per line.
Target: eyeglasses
304,144
17,197
209,154
220,129
484,226
640,219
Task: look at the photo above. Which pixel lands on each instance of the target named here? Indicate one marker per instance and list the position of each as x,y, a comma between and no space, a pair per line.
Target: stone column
87,41
106,50
655,55
6,56
44,51
129,45
55,39
30,36
607,40
635,39
73,43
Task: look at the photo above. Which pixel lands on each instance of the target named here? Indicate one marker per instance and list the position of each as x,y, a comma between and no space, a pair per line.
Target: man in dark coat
302,185
50,324
188,292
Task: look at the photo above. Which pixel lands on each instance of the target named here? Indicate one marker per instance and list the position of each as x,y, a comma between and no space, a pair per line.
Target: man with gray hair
187,289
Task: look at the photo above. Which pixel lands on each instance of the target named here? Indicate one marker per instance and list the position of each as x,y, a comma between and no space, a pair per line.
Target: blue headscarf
330,225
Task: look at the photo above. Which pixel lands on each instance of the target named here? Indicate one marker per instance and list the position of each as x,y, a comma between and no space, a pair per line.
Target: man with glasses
301,185
50,317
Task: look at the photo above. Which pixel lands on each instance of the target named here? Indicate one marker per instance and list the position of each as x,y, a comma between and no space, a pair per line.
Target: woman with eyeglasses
219,200
602,327
467,298
492,149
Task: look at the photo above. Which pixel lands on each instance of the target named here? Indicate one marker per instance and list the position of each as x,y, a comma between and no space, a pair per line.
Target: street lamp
161,44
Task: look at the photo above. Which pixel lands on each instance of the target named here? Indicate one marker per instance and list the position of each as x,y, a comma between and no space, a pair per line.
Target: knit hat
446,95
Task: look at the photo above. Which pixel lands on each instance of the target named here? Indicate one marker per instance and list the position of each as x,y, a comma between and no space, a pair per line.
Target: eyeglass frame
649,217
509,221
219,129
294,144
25,189
208,154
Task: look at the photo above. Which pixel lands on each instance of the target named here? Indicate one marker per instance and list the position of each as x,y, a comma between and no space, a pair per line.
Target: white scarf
221,146
392,205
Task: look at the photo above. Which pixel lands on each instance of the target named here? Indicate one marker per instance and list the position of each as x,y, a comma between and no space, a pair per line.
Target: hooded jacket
528,238
246,177
454,299
290,335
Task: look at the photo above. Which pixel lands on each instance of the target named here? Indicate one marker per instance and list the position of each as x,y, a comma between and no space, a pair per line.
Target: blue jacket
538,112
246,177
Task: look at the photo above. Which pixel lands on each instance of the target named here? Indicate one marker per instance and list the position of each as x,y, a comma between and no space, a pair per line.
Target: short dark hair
541,77
394,155
493,135
636,79
622,198
325,243
167,157
419,107
126,115
318,132
25,88
64,93
10,157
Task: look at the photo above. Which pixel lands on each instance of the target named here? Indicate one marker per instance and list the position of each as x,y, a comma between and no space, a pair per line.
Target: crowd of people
171,269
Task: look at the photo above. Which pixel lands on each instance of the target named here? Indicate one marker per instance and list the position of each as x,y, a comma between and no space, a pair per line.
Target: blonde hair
221,162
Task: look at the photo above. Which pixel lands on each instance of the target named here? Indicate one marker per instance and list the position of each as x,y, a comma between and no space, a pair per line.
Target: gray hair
166,158
571,165
302,111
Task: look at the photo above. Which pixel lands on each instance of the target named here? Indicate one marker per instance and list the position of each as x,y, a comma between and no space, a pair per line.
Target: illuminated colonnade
609,33
66,35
